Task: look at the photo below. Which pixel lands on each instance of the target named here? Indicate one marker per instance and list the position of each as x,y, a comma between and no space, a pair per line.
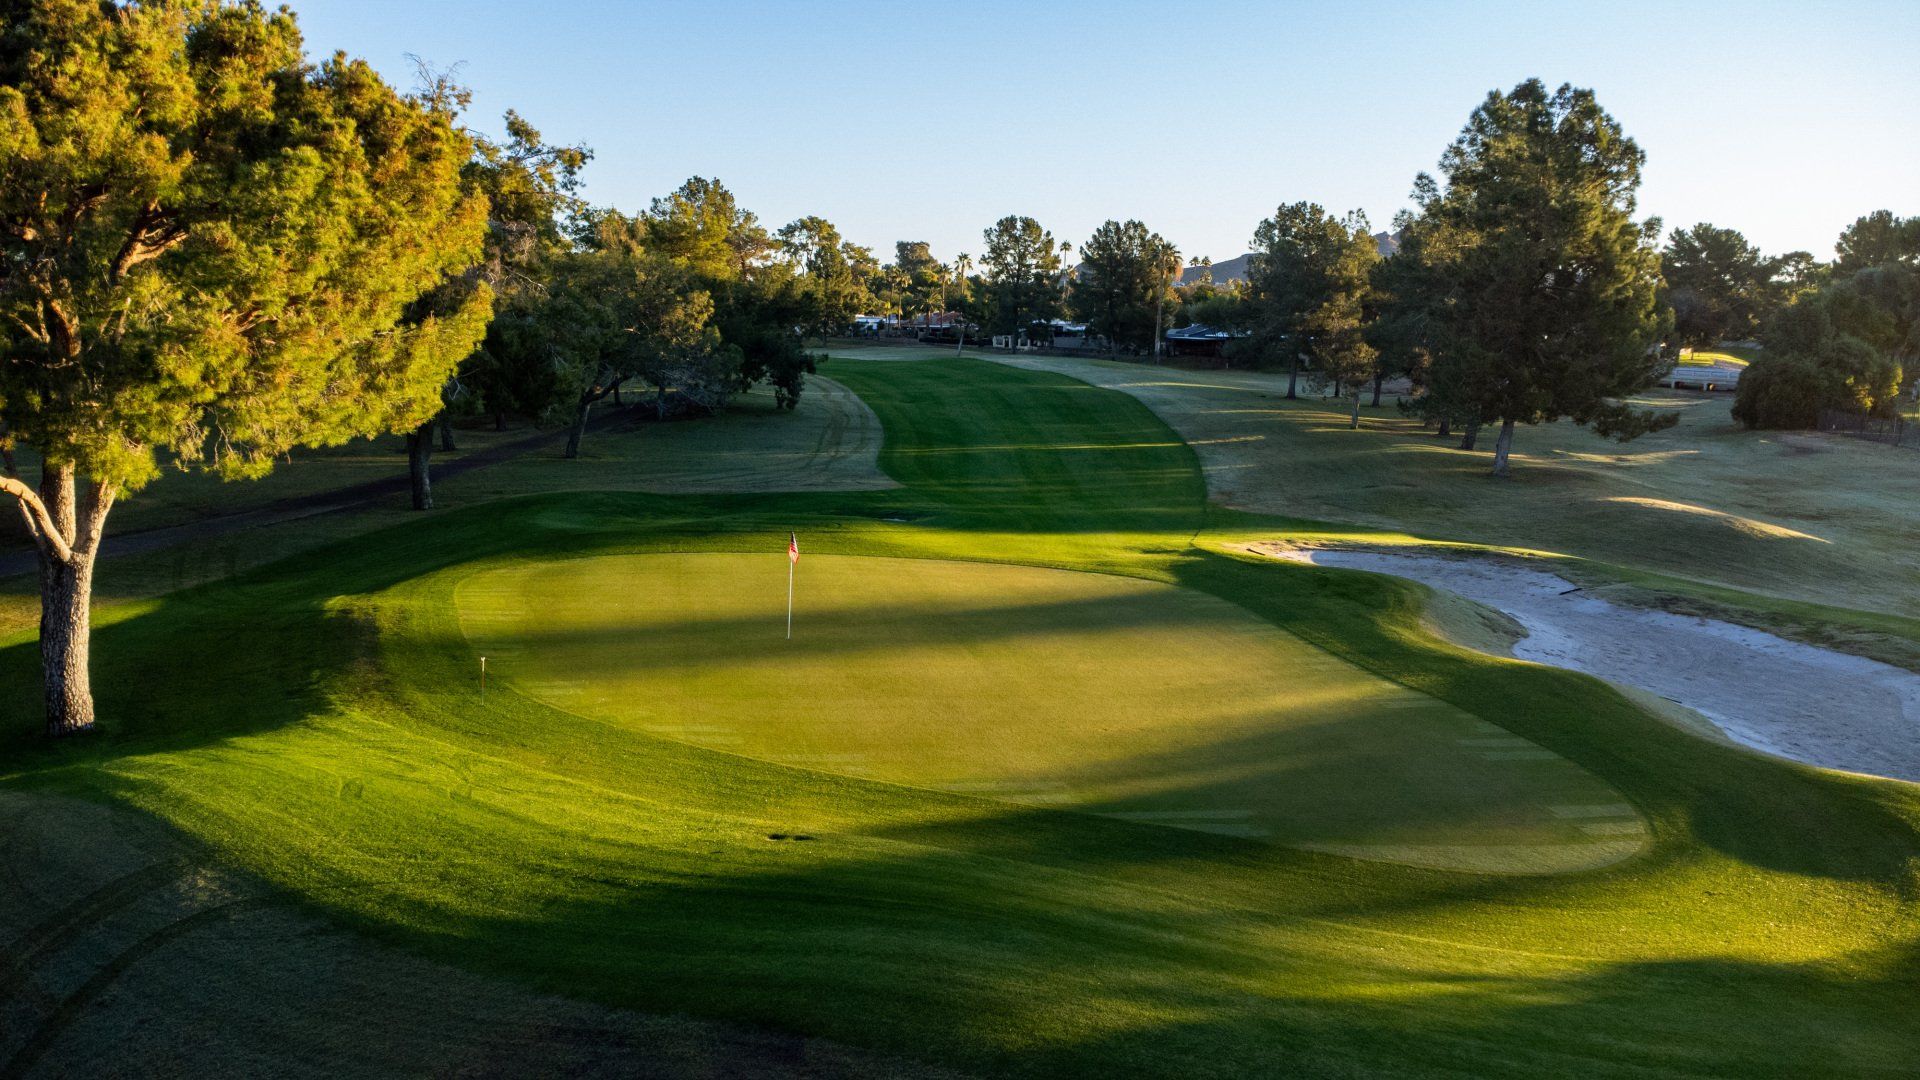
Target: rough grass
1797,532
316,726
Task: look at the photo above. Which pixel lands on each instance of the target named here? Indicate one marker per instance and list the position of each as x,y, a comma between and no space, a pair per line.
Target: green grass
317,726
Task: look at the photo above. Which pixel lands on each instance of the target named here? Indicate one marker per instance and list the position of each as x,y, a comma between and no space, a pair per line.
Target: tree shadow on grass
1070,967
1015,940
1760,810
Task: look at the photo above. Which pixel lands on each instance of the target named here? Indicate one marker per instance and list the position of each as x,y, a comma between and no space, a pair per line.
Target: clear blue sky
929,121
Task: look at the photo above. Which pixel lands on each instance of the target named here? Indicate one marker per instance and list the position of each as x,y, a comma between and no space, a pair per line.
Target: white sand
1782,697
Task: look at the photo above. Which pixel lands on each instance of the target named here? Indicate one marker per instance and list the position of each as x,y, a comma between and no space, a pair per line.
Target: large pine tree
211,251
1537,290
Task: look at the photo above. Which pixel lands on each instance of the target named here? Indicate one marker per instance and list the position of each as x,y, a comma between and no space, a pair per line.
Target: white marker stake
483,678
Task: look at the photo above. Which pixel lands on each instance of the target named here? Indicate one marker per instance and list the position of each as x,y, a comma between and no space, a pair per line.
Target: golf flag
793,560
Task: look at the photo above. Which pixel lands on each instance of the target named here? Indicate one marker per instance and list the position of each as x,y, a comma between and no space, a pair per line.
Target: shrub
1782,392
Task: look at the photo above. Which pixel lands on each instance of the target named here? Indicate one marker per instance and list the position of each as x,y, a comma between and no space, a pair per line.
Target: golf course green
1043,688
1052,779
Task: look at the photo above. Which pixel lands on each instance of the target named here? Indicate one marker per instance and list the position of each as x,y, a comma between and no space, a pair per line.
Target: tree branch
62,336
56,495
39,521
93,520
154,232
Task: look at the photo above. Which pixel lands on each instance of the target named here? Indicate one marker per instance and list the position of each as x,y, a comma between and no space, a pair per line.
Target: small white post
790,565
483,678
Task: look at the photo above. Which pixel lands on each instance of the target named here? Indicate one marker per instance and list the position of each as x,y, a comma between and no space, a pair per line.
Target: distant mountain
1223,272
1236,269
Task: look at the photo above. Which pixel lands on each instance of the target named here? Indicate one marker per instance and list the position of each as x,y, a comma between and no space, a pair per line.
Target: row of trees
1523,290
692,300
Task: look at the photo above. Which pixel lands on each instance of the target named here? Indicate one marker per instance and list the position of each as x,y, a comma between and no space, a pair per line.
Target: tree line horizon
214,250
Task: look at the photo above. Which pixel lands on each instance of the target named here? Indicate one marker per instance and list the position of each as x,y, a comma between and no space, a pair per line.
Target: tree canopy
1851,346
1878,239
1721,287
834,272
1538,293
211,252
1310,284
759,302
1023,284
1123,284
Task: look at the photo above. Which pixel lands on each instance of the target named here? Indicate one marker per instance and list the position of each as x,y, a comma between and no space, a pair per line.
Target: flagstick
790,566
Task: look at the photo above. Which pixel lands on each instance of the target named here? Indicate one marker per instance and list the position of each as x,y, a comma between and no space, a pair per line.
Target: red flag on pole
793,547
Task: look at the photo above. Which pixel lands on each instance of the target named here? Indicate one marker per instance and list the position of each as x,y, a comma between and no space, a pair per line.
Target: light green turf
1709,357
1040,687
317,728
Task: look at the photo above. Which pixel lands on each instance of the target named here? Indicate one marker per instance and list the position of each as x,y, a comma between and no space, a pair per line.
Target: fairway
1044,687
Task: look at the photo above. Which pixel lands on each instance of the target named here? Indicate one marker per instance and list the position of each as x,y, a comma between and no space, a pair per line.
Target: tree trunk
1293,377
66,590
579,429
1379,377
67,536
1471,436
1502,447
1446,428
499,420
616,397
1353,423
446,434
419,458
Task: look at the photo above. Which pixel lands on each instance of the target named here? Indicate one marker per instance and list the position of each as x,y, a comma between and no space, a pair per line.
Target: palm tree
1167,261
962,265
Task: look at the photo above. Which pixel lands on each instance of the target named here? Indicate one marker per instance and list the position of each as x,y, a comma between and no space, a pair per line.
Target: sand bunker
1798,701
